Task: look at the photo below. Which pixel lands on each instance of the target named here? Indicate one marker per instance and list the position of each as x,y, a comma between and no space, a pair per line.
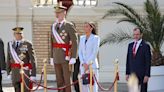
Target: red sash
29,65
14,65
66,46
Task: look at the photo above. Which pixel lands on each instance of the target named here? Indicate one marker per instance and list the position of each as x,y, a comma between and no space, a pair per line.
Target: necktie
134,49
58,26
17,44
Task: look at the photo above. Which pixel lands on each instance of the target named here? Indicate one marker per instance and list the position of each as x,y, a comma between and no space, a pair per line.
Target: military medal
63,34
22,56
24,48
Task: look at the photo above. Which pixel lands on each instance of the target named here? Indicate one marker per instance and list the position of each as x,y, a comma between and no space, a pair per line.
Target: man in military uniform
2,62
64,47
20,50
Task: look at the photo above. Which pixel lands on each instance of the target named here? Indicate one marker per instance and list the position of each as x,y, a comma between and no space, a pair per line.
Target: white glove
33,78
3,71
72,61
9,77
51,61
67,58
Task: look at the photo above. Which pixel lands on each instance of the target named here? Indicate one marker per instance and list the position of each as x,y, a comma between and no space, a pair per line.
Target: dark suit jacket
141,63
2,56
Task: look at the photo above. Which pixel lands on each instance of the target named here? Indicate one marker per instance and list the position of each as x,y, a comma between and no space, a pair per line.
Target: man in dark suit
2,62
139,59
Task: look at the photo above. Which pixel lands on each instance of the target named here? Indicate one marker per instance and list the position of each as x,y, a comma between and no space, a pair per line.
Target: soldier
2,62
64,47
20,50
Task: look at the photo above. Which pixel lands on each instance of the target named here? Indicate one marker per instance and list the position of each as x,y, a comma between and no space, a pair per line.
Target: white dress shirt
61,23
19,42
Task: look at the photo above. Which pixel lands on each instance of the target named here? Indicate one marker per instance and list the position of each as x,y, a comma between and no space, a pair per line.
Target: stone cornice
79,13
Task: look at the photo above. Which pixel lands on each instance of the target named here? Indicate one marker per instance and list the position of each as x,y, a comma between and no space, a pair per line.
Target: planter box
156,81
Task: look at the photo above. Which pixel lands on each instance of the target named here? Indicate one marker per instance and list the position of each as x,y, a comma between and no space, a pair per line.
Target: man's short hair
135,29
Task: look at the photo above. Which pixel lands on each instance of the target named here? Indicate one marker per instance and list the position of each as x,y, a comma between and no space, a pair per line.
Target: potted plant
152,25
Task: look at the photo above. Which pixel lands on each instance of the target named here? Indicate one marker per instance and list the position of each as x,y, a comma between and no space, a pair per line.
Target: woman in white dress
88,50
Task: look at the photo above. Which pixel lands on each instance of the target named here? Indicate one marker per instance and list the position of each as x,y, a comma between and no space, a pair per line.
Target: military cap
60,8
18,29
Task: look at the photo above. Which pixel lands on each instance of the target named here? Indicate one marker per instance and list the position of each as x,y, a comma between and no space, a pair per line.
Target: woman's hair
92,25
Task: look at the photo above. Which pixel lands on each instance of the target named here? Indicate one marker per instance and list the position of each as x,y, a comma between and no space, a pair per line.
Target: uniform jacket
68,33
27,49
